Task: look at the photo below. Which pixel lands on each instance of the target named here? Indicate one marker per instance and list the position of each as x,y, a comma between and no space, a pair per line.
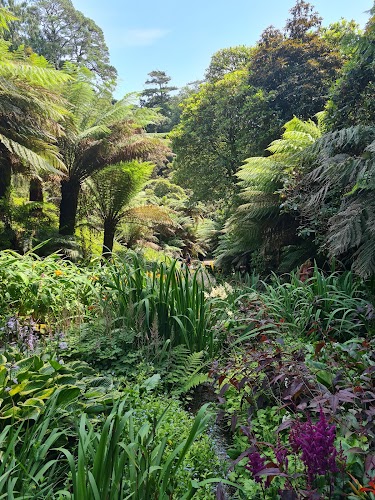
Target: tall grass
123,461
28,462
320,306
164,298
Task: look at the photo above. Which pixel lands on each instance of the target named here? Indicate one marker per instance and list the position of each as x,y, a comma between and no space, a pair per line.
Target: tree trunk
109,236
68,206
5,178
36,190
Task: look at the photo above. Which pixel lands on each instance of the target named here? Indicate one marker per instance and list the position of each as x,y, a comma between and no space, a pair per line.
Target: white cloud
139,37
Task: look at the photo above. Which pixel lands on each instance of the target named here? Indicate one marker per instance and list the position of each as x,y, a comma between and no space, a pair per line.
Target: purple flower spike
316,442
255,465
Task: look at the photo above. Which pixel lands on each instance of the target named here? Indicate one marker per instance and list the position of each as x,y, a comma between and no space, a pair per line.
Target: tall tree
228,60
343,35
59,32
220,126
158,95
297,64
352,100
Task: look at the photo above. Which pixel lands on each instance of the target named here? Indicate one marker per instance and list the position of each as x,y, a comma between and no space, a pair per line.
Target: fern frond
148,213
36,161
187,373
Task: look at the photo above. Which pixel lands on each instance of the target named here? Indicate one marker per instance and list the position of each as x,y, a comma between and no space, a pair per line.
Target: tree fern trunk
68,206
5,178
36,190
109,236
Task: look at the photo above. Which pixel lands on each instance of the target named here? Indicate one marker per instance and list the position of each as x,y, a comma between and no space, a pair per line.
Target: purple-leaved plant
316,442
254,465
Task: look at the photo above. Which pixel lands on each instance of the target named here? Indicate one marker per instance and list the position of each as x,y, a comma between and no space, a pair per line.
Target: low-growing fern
186,370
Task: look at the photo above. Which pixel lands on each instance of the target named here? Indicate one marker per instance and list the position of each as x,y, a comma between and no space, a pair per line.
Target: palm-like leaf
257,223
30,112
100,133
342,183
113,187
111,191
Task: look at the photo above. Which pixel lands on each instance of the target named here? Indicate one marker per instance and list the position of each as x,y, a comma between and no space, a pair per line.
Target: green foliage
102,133
151,468
258,224
318,307
29,383
142,446
336,197
297,64
184,370
227,61
166,301
110,193
29,466
220,126
351,102
51,290
60,33
157,95
344,34
30,110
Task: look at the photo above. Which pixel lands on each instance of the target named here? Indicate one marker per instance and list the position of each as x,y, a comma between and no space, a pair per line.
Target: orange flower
58,272
370,488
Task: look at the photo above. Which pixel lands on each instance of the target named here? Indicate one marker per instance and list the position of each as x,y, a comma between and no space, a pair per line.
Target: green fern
187,372
342,186
258,223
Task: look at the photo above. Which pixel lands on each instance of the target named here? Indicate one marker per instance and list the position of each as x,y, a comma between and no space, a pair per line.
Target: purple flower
63,345
316,442
31,341
13,324
255,465
281,454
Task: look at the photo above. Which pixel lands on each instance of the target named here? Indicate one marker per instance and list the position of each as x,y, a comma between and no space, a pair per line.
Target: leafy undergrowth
297,392
98,361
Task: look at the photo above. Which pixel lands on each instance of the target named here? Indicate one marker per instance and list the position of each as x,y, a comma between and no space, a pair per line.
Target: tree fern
111,191
342,187
31,114
258,223
5,18
101,133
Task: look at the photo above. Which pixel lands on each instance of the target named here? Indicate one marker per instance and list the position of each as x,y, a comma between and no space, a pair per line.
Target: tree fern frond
36,161
308,127
5,18
35,75
364,263
148,213
346,228
96,132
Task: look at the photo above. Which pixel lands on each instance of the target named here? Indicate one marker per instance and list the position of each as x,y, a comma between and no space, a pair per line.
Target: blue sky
179,37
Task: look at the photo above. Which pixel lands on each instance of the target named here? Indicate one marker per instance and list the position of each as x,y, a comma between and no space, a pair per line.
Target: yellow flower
58,272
